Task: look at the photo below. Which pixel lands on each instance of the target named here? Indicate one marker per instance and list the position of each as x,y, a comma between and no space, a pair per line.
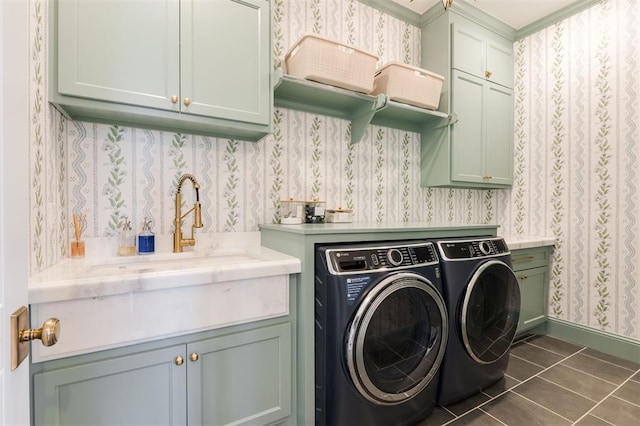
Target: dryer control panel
357,259
472,249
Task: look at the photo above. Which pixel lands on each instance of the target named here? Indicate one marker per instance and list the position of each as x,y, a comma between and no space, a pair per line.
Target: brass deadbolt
21,335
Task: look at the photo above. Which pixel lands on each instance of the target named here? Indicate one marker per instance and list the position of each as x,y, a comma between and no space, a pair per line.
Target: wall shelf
360,109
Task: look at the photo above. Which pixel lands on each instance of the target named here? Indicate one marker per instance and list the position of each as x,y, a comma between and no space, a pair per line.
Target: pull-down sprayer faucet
178,241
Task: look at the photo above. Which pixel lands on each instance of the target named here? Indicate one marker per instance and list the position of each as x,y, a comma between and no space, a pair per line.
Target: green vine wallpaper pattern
575,138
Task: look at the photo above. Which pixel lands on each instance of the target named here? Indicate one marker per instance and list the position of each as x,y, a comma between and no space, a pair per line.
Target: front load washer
380,332
482,298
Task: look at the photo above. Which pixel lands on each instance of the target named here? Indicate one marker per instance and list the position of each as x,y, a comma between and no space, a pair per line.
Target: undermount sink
171,261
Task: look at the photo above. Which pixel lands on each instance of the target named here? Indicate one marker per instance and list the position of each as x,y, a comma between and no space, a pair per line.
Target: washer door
490,312
397,339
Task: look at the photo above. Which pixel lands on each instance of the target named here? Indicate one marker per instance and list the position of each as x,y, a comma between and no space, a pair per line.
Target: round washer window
397,339
490,312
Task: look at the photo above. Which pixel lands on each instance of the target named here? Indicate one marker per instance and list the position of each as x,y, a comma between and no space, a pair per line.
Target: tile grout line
515,386
610,394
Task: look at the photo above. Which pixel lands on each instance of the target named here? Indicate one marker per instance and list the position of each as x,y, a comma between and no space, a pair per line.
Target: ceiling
515,13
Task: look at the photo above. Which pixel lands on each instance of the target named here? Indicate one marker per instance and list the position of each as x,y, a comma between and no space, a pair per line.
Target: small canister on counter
291,212
339,215
146,238
314,211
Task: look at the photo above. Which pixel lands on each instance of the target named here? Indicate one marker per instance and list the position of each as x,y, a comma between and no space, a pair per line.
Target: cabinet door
482,138
226,59
467,134
242,378
119,50
499,61
467,47
144,388
499,134
533,296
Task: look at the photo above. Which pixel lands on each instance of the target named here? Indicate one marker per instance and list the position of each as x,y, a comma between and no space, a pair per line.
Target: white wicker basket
330,62
409,85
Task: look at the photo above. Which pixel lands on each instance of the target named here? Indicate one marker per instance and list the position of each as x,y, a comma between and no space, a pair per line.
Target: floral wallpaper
576,149
577,110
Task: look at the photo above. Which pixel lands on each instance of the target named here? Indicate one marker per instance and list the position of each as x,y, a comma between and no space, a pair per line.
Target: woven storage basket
409,85
330,62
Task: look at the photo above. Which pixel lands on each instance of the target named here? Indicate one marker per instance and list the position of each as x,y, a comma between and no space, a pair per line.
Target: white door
14,199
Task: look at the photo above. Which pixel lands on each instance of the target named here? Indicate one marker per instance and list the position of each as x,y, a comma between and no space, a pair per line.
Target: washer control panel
472,249
357,259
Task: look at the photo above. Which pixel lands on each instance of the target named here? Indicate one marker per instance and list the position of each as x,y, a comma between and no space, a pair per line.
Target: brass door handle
21,335
194,356
49,333
179,360
187,101
174,99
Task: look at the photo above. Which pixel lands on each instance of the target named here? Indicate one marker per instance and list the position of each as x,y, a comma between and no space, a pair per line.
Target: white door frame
14,200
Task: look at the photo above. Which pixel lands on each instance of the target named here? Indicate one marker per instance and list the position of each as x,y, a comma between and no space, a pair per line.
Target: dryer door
490,312
397,339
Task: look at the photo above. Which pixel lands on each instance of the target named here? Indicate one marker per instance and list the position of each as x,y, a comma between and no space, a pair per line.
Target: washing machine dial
485,247
395,257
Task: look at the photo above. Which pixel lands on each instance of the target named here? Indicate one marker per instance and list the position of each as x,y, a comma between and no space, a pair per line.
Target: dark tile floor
552,382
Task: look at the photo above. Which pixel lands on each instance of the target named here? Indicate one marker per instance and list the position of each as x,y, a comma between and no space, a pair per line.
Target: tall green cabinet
181,65
476,150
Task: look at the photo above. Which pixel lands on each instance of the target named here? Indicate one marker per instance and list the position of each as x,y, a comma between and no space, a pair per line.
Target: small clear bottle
127,239
146,238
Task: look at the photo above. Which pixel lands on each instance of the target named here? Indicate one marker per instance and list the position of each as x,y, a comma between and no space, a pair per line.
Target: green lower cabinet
532,271
145,388
239,378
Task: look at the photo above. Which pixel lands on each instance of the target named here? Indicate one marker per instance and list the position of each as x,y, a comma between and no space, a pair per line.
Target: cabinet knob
187,101
174,99
523,277
179,360
194,356
487,177
488,74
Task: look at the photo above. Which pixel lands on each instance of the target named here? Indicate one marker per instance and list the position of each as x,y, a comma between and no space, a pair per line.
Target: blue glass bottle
146,239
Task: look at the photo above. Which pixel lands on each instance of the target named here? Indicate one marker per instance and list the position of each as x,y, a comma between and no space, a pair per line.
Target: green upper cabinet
477,51
476,150
181,65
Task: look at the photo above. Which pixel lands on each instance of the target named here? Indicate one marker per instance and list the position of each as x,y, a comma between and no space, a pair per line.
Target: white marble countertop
516,242
100,275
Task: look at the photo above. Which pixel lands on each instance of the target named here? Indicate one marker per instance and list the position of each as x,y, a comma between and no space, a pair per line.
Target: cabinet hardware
194,356
187,101
488,74
523,277
179,360
21,336
487,177
174,99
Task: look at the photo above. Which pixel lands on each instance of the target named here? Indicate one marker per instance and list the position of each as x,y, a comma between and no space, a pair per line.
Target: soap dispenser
146,239
127,240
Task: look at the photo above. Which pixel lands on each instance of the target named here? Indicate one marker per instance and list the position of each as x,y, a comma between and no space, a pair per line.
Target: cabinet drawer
529,258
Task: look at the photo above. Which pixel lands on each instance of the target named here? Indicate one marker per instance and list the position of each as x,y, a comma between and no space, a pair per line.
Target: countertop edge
519,242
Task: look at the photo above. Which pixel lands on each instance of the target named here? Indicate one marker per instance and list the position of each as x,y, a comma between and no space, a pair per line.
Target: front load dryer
380,334
482,298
